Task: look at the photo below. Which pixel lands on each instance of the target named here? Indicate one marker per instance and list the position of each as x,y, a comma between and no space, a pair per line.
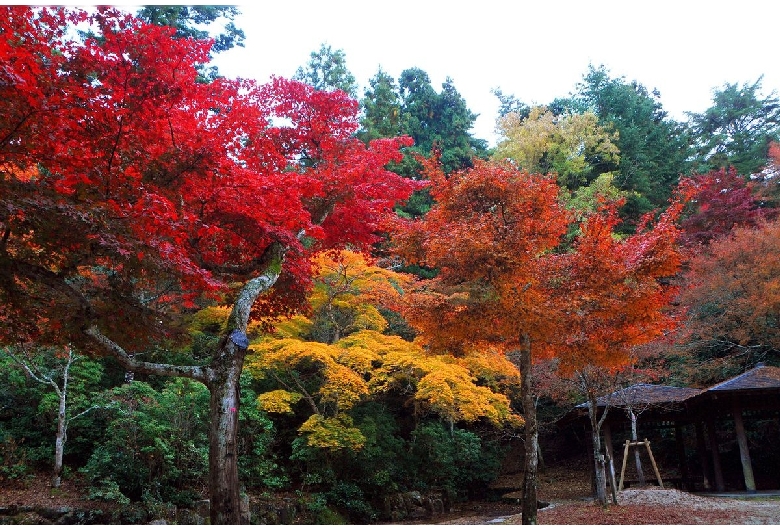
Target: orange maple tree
611,295
732,296
487,236
508,280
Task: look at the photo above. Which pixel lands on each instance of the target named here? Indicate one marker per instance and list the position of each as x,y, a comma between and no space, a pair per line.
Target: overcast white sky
536,50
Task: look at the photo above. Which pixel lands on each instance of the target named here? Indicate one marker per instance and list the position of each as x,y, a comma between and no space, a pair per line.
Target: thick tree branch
41,275
198,373
242,307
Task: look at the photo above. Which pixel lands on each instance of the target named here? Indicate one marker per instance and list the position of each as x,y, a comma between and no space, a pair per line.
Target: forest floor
565,487
36,490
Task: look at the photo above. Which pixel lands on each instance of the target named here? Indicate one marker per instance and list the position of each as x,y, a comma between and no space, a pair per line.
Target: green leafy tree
381,108
737,129
509,103
654,149
189,22
439,121
57,370
156,445
327,70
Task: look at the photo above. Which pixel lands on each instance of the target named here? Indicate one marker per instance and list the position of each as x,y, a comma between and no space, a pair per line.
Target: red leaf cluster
116,164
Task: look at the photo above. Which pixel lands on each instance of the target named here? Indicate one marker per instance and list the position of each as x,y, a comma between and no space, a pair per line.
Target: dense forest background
352,394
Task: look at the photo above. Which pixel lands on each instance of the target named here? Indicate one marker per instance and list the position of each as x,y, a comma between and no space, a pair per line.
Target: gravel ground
650,505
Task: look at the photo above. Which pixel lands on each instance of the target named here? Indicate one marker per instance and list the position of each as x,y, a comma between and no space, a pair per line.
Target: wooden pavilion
709,426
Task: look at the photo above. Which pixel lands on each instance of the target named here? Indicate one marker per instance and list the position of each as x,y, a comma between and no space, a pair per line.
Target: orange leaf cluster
487,236
496,237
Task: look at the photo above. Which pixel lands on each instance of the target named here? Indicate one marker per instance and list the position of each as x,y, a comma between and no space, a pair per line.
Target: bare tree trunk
598,457
62,431
529,503
639,473
222,377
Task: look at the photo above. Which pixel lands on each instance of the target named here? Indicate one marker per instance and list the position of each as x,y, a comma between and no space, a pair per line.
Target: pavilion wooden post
717,471
683,460
701,448
744,452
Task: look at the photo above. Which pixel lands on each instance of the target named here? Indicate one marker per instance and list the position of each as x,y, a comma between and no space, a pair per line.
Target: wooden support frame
610,465
637,445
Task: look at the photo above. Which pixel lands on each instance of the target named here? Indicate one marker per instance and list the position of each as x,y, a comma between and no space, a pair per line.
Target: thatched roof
759,378
645,394
758,388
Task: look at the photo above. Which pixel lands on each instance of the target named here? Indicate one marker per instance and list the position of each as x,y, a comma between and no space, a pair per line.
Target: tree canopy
327,70
737,129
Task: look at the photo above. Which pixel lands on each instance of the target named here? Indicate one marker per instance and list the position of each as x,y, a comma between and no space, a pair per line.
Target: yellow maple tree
330,378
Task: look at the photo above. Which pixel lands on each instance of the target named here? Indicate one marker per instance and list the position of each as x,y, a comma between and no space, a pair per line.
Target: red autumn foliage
724,201
128,190
611,295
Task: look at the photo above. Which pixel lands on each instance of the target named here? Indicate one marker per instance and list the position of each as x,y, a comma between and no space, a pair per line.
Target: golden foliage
366,364
546,143
211,319
278,401
333,433
295,326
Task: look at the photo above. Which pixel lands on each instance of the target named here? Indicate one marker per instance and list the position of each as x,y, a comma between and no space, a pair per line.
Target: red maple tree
610,296
724,200
129,192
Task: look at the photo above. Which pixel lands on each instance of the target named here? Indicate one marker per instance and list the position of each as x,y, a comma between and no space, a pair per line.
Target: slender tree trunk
639,473
529,504
598,457
62,432
62,423
62,420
